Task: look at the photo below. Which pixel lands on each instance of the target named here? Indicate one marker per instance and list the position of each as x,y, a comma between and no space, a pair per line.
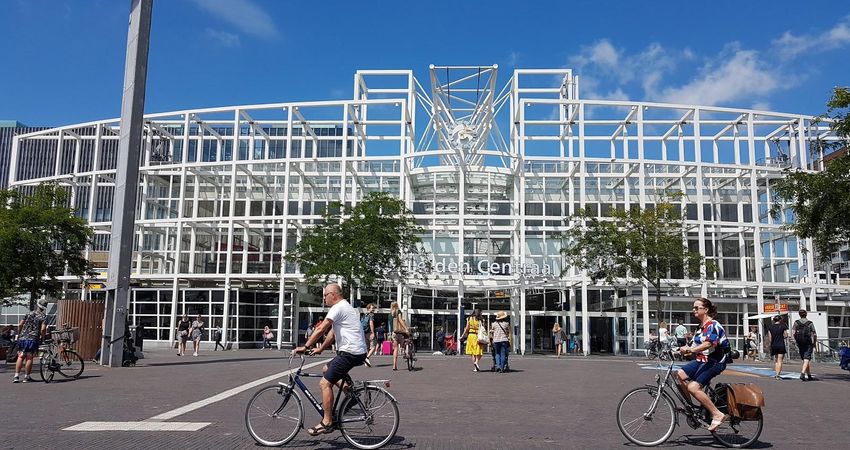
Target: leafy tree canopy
39,238
369,242
821,200
638,245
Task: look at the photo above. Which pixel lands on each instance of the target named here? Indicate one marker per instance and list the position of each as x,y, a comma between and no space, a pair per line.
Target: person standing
197,332
183,327
268,335
381,336
31,330
776,335
217,338
440,336
805,337
308,332
500,334
140,337
558,336
368,324
752,342
400,331
473,348
681,333
663,334
343,326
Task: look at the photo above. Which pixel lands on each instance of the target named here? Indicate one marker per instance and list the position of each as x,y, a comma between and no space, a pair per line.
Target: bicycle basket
66,335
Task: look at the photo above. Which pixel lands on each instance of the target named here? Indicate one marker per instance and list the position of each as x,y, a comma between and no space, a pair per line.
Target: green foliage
367,243
39,238
821,201
644,245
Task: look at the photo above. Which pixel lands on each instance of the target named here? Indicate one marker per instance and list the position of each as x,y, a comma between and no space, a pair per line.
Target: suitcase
387,348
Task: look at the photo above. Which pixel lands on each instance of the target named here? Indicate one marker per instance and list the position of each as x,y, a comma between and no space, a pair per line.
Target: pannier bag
745,400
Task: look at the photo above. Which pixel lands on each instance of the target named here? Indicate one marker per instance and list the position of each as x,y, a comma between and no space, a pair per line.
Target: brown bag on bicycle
745,400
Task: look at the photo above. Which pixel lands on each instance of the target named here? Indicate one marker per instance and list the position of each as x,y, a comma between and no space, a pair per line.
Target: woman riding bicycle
712,349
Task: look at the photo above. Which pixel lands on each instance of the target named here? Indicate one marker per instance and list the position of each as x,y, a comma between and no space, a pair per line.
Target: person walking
368,324
197,332
559,338
308,332
268,335
663,335
343,326
776,335
400,331
183,328
681,333
501,337
31,329
440,336
752,343
473,348
140,337
381,336
806,338
217,338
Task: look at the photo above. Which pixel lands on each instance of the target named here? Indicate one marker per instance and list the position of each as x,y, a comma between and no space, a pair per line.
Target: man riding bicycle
342,324
712,350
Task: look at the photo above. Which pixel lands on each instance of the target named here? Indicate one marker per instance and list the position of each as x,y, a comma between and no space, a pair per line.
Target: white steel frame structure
490,174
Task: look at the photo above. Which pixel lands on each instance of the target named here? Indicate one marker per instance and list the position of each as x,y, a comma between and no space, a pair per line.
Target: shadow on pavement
339,442
200,361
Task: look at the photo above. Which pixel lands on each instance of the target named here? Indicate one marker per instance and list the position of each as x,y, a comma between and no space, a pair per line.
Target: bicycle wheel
372,421
274,417
736,433
640,427
45,367
71,365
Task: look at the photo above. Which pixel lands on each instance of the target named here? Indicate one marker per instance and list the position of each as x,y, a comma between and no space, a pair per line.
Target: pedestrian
440,336
559,338
751,343
776,335
268,335
681,332
316,327
368,324
217,338
183,328
663,334
197,331
31,329
805,337
381,336
473,348
347,332
140,337
500,334
308,332
400,331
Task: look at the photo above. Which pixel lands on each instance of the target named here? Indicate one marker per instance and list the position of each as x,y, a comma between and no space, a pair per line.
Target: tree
820,201
369,242
639,244
40,237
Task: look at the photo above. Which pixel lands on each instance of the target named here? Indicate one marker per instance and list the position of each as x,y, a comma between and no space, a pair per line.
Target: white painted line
226,394
138,426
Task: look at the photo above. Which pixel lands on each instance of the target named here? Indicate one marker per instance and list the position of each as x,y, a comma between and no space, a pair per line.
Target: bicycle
408,347
644,408
65,361
275,414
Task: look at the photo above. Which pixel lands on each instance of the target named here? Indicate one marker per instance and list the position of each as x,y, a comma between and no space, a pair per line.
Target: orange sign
772,308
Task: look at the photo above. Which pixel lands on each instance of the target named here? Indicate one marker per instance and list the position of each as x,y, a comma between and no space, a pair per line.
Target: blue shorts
703,372
28,346
341,365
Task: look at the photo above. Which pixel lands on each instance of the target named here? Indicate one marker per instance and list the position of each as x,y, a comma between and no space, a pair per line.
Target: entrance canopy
764,315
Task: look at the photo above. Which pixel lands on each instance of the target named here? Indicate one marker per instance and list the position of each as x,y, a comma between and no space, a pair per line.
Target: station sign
775,308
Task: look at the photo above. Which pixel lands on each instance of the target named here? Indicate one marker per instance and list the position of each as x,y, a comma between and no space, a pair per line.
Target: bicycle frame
665,383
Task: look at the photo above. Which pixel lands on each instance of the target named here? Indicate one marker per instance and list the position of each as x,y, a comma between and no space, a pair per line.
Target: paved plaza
545,403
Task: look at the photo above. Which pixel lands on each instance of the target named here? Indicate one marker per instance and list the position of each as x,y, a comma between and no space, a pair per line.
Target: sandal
321,428
715,424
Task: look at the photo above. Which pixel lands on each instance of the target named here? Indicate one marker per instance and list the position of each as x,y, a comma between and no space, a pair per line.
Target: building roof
11,124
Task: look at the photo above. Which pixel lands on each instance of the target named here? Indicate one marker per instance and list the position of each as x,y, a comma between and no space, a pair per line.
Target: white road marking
157,422
226,394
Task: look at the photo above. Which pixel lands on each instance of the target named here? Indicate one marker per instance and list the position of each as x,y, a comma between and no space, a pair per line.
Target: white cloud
222,38
736,74
513,59
603,62
761,106
789,46
243,14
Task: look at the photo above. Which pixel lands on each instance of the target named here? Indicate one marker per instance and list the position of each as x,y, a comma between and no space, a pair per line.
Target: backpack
803,332
364,322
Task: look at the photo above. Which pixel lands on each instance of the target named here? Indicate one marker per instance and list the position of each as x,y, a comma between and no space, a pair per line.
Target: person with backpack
368,325
804,335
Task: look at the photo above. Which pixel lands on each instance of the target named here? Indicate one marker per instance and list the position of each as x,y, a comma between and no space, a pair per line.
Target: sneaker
367,362
803,377
777,377
811,378
195,354
16,380
27,379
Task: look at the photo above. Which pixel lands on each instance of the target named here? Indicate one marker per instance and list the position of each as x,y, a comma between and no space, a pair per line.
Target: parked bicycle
57,356
648,415
367,415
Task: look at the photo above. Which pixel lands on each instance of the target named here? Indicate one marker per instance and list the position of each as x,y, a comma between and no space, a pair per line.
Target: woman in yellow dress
473,348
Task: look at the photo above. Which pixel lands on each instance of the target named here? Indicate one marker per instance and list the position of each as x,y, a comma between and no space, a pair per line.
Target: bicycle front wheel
368,418
274,416
642,426
70,364
45,368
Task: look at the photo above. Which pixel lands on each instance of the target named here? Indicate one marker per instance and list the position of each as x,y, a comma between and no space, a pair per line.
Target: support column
644,292
585,320
225,319
522,314
572,309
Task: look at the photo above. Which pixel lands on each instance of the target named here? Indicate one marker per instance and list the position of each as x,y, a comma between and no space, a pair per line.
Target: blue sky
62,61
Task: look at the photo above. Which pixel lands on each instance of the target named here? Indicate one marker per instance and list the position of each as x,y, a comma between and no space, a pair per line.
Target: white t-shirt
348,334
663,334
